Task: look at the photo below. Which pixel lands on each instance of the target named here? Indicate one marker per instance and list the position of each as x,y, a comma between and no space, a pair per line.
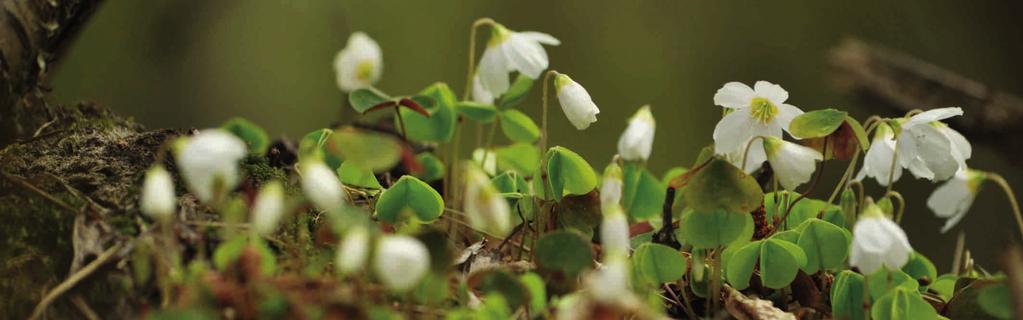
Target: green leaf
739,268
720,185
803,210
861,136
920,268
996,300
568,173
519,127
847,296
228,252
714,228
673,173
351,174
787,235
432,290
520,157
642,194
902,304
537,291
411,195
884,281
659,263
479,112
254,136
375,151
364,99
565,252
944,286
517,92
314,146
439,126
826,245
779,263
499,281
433,168
510,182
816,124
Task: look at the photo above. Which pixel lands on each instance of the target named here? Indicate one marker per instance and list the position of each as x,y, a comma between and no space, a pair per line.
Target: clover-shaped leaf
519,157
409,195
517,92
778,260
564,252
351,174
436,122
314,146
847,295
920,268
776,203
519,127
900,304
252,134
817,123
568,173
479,112
884,281
642,193
715,228
826,245
371,150
659,263
433,168
720,185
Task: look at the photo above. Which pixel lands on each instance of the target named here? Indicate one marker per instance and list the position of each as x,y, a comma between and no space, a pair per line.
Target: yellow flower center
364,71
762,110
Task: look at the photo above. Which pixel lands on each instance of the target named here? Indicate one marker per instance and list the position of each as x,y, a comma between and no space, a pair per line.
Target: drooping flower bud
158,200
268,208
611,188
353,250
485,208
400,262
637,141
575,102
321,185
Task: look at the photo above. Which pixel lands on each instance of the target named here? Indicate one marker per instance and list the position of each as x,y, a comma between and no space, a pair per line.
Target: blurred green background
185,64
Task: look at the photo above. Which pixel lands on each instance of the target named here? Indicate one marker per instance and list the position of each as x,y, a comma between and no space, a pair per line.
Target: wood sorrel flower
953,199
209,162
929,149
512,51
757,111
158,200
877,163
614,232
611,188
638,139
321,185
400,262
359,64
878,241
485,208
353,250
792,163
268,208
576,102
480,94
610,283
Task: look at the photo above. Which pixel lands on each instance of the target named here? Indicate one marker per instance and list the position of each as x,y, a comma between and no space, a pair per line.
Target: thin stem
957,258
472,53
543,117
1011,195
540,226
902,205
745,153
715,280
401,122
891,169
490,141
71,281
845,176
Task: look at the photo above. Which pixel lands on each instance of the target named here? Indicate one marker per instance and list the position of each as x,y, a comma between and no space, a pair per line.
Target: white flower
353,250
509,51
611,187
400,262
614,233
757,111
321,185
158,200
485,208
268,208
953,199
576,102
926,148
878,241
877,163
480,94
792,163
490,167
638,138
359,64
209,162
610,283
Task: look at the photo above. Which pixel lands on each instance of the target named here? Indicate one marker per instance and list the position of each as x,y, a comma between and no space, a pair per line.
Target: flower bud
485,208
575,102
321,185
353,250
268,208
400,262
158,200
637,141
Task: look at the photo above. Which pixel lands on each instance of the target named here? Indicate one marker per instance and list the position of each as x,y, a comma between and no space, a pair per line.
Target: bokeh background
195,63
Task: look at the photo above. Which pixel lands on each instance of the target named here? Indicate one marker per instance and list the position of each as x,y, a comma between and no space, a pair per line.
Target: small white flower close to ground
611,188
400,262
208,161
359,64
321,185
158,200
485,208
575,102
637,141
792,163
757,111
610,283
878,241
953,199
268,208
877,163
353,250
929,149
509,51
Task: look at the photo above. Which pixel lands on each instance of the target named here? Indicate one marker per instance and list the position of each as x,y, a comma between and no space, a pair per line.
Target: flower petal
792,163
935,149
733,132
932,115
493,71
525,55
786,112
735,95
540,37
771,91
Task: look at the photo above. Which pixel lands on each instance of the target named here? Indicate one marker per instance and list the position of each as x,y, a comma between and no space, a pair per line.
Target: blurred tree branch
902,82
33,33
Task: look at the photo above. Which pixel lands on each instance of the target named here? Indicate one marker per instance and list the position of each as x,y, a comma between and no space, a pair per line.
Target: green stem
902,205
472,53
490,141
1011,195
745,153
891,169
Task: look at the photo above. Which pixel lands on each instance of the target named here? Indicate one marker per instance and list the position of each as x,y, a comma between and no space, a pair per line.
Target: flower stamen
762,110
